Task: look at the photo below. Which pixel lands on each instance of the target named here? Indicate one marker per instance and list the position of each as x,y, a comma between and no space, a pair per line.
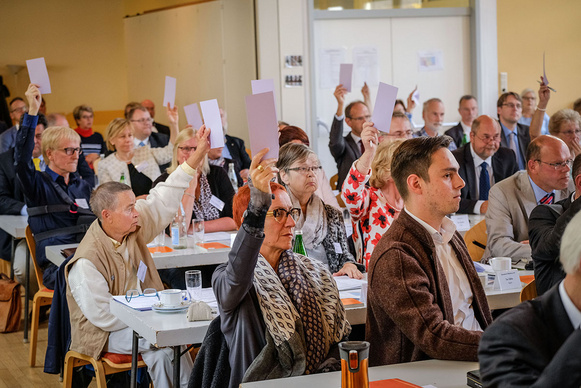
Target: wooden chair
108,364
475,239
529,291
333,181
42,298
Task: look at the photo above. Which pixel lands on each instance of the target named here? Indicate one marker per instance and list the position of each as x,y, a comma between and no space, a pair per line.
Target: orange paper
348,301
391,383
160,249
527,278
213,245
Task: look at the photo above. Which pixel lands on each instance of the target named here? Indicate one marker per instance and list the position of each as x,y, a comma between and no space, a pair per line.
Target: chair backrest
333,181
32,249
475,239
529,291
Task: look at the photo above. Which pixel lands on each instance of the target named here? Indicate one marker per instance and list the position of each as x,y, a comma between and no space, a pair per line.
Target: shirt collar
465,127
572,311
355,137
478,160
136,141
539,193
444,235
508,131
54,176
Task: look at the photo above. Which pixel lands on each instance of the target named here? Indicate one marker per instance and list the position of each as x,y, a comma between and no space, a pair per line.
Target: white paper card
141,271
263,86
262,124
38,74
384,104
82,203
507,280
142,166
169,94
346,75
193,117
416,95
461,221
217,202
212,119
363,297
346,283
545,80
338,249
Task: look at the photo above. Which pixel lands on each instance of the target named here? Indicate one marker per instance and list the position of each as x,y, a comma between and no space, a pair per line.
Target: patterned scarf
301,289
202,206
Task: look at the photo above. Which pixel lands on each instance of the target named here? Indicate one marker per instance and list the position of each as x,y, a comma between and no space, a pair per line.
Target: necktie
141,144
547,199
36,162
362,147
484,182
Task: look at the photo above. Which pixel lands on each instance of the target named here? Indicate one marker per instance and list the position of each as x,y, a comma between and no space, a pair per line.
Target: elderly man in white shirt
113,258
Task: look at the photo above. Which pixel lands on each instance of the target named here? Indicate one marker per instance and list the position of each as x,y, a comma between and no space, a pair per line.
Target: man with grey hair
57,120
536,344
113,259
433,114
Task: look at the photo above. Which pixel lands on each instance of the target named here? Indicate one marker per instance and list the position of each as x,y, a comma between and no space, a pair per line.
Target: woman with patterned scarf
209,197
280,312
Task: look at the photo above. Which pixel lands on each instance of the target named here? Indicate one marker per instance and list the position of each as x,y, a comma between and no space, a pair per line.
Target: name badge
82,203
142,166
338,249
507,280
217,202
141,271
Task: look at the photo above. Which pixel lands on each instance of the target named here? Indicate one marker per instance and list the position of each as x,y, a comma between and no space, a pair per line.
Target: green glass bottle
122,179
299,245
465,139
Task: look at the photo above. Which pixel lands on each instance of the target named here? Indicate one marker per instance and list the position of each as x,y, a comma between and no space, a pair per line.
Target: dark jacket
546,226
211,367
409,309
163,129
503,165
457,134
524,138
344,150
238,152
532,345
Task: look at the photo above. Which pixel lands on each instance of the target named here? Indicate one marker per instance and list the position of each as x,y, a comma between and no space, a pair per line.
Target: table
440,373
160,330
16,227
177,258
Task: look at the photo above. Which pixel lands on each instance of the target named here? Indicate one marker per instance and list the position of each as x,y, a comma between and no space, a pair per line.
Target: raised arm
25,142
539,114
173,116
367,97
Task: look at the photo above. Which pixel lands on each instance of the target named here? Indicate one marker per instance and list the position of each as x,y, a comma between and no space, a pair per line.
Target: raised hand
196,157
34,99
262,171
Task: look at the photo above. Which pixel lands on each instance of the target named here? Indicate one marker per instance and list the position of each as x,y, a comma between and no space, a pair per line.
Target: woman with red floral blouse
370,193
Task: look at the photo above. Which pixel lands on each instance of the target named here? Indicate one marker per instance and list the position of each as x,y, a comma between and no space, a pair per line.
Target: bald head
150,106
549,163
485,136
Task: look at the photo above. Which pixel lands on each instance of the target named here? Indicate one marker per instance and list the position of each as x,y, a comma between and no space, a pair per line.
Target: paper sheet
38,74
193,117
545,79
346,75
263,86
169,94
212,119
384,104
217,236
365,66
346,283
329,61
262,124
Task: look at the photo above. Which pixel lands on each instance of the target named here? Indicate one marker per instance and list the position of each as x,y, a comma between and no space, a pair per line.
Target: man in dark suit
513,135
536,344
143,134
235,150
484,147
468,109
346,150
546,226
150,106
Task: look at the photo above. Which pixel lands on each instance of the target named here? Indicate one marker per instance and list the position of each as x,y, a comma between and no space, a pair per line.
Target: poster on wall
365,66
329,61
430,60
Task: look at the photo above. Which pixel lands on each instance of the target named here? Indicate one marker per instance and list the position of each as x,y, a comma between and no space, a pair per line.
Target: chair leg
68,371
34,330
99,373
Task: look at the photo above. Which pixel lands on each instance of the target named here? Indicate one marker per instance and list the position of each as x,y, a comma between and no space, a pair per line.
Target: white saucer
160,308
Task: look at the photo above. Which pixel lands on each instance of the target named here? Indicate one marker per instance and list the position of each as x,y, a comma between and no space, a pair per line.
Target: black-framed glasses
511,105
71,150
306,170
280,215
148,292
186,149
558,166
143,121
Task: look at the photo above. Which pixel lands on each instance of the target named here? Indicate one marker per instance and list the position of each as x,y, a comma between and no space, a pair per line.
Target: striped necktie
547,199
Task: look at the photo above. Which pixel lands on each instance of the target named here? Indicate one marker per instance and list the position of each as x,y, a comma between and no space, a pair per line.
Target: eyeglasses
143,121
280,215
306,170
488,139
529,98
398,133
558,166
187,150
86,117
571,133
366,118
512,106
21,109
148,292
71,150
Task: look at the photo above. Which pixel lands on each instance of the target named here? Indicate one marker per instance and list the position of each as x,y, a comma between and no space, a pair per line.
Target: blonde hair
381,164
113,130
560,117
185,135
52,136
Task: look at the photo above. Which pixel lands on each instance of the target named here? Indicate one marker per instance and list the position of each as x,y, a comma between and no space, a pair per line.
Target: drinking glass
194,284
198,230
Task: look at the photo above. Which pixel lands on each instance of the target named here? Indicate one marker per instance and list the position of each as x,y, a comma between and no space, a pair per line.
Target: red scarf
84,132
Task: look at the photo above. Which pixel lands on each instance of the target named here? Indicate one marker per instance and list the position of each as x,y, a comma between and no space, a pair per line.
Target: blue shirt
225,150
539,193
38,192
519,156
544,127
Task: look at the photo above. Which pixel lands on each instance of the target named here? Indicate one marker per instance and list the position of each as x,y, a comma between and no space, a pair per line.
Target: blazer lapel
470,172
527,197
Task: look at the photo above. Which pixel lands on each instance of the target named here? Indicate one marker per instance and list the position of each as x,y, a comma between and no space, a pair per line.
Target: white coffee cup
171,297
500,263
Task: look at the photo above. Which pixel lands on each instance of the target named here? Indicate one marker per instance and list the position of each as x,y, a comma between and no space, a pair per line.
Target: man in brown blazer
424,298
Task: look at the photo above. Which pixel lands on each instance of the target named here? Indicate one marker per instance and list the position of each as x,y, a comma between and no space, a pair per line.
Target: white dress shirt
572,311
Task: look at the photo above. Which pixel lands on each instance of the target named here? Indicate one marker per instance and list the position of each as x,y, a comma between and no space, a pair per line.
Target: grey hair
428,102
290,153
570,248
106,197
528,90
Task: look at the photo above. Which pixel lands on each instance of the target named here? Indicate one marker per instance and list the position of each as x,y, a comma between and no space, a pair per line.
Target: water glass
198,230
160,239
194,284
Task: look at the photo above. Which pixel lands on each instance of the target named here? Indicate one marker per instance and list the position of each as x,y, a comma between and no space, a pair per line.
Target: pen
550,88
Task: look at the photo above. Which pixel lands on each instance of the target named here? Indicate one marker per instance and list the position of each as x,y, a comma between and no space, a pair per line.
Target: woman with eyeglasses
370,194
209,197
280,312
322,225
135,166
